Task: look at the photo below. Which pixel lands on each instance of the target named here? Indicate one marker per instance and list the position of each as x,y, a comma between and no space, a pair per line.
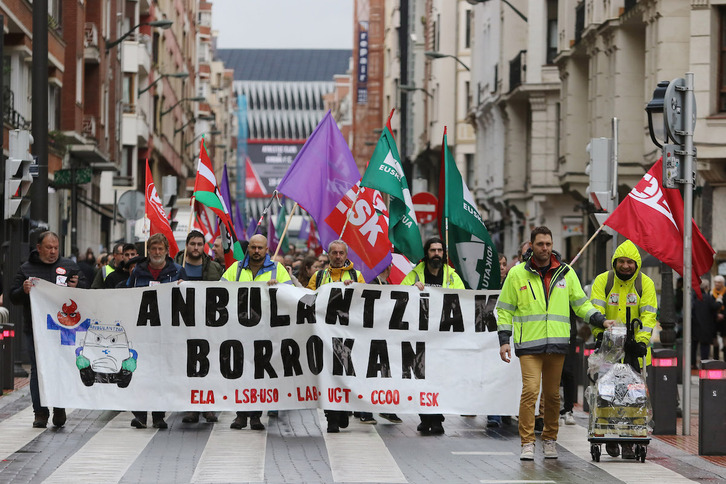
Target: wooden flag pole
189,227
446,242
146,240
284,232
577,257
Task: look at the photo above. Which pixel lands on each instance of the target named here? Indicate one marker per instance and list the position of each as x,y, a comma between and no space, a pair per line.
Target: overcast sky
275,24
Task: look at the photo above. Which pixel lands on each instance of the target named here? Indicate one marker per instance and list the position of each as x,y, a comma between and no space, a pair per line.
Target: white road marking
17,431
358,454
107,455
233,456
474,452
572,437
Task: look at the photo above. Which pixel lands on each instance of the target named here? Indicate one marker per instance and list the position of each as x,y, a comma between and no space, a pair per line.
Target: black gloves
636,349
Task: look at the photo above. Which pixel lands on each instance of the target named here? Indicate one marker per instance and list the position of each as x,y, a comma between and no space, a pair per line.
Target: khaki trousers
545,368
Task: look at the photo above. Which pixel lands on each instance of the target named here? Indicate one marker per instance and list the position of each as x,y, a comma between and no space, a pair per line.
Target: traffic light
600,170
17,174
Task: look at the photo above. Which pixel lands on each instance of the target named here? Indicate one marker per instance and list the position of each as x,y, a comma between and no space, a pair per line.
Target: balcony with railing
10,115
89,126
91,48
517,70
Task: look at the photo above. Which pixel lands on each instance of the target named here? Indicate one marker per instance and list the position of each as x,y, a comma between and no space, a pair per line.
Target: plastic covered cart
620,408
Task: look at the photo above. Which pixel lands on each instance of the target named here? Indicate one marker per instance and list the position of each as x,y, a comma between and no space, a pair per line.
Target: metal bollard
712,408
589,348
663,388
7,375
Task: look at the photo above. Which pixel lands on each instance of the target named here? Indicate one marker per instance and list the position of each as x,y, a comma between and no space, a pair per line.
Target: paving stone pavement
100,446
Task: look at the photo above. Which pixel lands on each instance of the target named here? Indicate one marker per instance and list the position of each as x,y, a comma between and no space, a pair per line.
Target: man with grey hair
340,270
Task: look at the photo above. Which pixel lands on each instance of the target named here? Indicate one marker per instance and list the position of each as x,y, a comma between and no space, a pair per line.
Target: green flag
280,227
385,173
470,247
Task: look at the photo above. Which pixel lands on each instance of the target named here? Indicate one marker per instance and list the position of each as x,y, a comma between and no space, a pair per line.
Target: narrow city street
101,447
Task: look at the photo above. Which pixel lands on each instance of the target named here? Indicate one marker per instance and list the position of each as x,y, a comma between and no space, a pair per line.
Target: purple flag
224,190
252,228
239,222
304,232
272,238
322,175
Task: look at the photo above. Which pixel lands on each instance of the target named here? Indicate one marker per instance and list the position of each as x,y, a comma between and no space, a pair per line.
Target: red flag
155,213
652,218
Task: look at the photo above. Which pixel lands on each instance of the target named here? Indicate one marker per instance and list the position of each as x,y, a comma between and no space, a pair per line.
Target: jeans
34,389
547,369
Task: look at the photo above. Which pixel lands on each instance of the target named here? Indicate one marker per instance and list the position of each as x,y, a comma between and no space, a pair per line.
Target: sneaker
569,419
628,452
612,449
550,449
539,424
210,417
59,417
160,424
527,452
255,424
138,424
191,417
239,423
41,421
437,428
343,420
368,420
391,417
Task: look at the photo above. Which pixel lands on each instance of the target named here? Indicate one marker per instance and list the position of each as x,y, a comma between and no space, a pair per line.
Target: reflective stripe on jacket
241,272
538,322
451,278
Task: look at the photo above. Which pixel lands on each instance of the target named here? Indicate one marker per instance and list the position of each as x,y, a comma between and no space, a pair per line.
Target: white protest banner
248,346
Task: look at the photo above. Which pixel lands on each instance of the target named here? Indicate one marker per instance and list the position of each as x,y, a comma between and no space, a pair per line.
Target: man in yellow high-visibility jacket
616,290
256,266
534,308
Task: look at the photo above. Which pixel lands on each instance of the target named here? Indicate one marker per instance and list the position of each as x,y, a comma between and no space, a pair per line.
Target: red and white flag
158,220
400,268
652,218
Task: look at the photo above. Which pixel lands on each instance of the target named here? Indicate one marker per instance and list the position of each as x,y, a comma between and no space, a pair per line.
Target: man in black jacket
44,263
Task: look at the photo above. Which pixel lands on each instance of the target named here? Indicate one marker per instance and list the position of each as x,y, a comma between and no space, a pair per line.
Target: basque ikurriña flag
323,180
206,192
652,217
158,221
470,247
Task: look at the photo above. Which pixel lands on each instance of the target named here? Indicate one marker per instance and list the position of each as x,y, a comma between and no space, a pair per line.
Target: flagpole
189,227
146,239
284,232
574,259
446,242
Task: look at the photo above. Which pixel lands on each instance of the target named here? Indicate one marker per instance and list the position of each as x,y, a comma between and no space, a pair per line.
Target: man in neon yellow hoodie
618,289
433,271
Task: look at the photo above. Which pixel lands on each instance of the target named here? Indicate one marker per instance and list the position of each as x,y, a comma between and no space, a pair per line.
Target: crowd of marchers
540,303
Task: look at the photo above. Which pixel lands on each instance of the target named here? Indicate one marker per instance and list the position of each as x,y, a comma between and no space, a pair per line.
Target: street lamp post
193,99
162,24
432,54
675,102
178,75
412,87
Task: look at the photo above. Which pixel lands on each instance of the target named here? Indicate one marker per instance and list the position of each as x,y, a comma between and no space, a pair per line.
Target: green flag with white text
470,247
385,173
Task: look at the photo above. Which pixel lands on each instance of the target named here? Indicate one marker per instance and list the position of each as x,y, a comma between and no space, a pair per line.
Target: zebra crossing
101,447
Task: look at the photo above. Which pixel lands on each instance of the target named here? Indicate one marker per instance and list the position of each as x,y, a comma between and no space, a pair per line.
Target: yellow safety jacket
640,296
451,278
240,272
538,317
335,274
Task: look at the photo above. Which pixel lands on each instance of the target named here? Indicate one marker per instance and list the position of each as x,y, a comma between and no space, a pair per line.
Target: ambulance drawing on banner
106,356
